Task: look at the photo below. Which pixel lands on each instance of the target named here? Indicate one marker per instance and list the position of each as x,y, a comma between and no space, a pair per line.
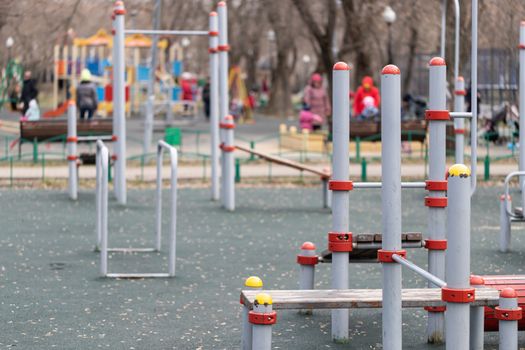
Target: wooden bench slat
360,298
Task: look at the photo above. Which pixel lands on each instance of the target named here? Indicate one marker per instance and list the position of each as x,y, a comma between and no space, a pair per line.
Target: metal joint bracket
436,202
72,139
340,241
340,185
453,295
436,185
507,314
307,260
436,244
226,126
437,115
385,256
267,318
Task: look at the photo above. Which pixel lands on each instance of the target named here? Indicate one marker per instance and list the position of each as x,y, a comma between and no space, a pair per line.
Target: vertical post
363,169
457,293
437,115
391,206
522,110
158,210
474,95
307,261
72,149
358,148
486,175
228,170
339,239
119,103
326,193
504,224
508,313
443,28
477,318
223,49
103,153
255,283
262,317
35,150
214,105
237,170
459,123
173,211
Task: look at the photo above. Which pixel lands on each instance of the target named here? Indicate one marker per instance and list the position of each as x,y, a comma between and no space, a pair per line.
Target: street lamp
389,16
306,61
9,44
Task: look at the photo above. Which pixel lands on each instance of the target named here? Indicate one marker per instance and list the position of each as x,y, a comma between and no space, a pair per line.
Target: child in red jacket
367,88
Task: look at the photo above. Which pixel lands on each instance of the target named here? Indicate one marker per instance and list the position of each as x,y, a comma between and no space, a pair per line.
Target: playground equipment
9,76
508,214
102,213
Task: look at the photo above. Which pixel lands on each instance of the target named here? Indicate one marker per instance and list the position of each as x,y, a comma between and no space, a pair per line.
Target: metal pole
508,313
72,149
102,152
223,48
477,318
391,205
229,163
459,123
150,102
254,283
458,293
262,318
504,224
443,28
422,272
119,103
339,238
166,32
214,105
436,200
474,97
98,198
522,109
158,239
307,261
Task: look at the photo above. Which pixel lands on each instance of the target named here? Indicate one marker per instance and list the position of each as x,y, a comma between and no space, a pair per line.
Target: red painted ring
226,126
119,12
453,295
114,157
436,185
224,48
435,308
437,115
72,157
507,314
72,139
436,202
340,241
340,185
213,33
114,138
459,131
436,244
227,149
385,256
307,260
268,318
460,92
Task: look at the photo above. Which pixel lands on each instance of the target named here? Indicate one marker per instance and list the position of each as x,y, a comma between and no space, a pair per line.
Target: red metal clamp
213,33
224,48
340,241
436,202
226,126
72,139
119,12
521,46
267,318
114,157
459,131
436,185
307,260
114,138
340,185
460,92
436,244
385,256
225,148
437,115
212,50
72,157
507,314
435,308
453,295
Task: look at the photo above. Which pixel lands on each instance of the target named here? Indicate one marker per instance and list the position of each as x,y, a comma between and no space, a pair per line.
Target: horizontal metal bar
460,115
166,32
132,250
138,275
423,273
377,245
360,185
94,138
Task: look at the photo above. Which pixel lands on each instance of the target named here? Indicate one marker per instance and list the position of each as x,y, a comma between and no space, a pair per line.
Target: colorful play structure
10,76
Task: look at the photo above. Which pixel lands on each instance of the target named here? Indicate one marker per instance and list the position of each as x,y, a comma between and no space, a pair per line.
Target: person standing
206,98
87,101
316,98
367,89
29,91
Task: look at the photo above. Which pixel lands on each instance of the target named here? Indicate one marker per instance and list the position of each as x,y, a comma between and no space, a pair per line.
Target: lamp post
306,62
9,44
389,16
271,38
185,42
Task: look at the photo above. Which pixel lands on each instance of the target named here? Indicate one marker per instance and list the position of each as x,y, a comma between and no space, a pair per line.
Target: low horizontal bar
138,275
423,273
378,185
166,32
95,138
132,250
377,245
460,115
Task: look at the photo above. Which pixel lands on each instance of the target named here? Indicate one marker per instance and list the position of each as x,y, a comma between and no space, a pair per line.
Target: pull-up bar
455,115
422,272
378,185
166,32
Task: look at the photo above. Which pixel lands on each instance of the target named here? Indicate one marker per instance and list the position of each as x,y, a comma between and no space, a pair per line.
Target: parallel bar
465,115
214,107
362,185
422,272
165,32
138,275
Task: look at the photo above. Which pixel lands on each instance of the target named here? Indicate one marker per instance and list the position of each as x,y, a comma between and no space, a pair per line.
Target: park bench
55,130
365,246
500,282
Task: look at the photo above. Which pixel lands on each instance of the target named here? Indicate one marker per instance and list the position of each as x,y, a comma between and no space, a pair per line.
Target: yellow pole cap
459,170
263,299
253,282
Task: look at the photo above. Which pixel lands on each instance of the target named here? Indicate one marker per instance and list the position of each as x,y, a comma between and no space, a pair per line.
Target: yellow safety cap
263,299
460,170
253,282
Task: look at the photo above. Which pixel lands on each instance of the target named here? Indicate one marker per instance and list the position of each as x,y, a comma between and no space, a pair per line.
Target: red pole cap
476,280
460,78
508,293
118,3
308,246
341,66
502,197
391,69
228,117
71,102
522,23
437,61
213,14
222,4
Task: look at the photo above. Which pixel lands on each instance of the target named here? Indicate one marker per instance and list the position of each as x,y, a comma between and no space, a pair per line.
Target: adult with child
316,99
29,91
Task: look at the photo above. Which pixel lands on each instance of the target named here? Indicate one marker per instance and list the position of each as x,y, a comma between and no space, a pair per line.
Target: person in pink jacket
316,97
308,120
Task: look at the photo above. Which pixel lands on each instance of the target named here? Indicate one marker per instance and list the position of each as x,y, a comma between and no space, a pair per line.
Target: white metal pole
254,283
443,28
223,48
262,317
459,123
72,149
102,152
214,105
391,205
508,313
340,240
522,109
228,149
477,318
457,292
173,209
119,104
504,224
158,230
474,97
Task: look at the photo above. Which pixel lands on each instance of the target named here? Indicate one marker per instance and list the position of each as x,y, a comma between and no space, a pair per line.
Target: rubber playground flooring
53,297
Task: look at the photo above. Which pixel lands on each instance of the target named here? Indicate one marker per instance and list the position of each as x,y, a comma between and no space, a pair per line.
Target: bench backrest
48,129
